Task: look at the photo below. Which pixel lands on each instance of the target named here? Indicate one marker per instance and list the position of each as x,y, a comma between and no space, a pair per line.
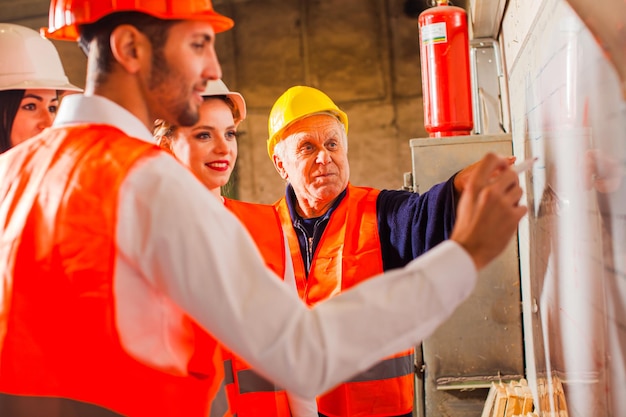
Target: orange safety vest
59,344
251,395
348,253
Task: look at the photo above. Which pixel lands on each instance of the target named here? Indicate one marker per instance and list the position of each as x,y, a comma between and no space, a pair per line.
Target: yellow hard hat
296,103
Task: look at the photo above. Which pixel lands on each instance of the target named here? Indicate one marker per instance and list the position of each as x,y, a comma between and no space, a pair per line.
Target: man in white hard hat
106,260
31,79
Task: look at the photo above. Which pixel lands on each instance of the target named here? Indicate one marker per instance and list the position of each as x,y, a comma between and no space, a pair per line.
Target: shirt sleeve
410,224
183,243
302,407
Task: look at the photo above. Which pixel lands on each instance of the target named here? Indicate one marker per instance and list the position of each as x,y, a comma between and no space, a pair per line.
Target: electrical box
482,341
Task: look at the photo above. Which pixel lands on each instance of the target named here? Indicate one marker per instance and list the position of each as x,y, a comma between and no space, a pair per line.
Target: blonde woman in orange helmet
121,275
209,150
31,78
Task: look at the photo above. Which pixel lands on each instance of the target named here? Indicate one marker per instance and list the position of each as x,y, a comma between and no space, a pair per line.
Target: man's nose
323,157
212,68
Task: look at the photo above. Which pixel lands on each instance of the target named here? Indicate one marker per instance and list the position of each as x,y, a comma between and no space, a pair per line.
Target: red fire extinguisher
446,79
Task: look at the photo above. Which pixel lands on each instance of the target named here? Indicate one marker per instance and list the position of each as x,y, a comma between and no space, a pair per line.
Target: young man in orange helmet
107,264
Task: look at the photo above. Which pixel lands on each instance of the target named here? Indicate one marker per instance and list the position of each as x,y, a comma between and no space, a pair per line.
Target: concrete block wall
363,53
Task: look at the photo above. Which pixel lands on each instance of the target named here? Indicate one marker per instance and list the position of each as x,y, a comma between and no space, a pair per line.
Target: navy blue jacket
409,224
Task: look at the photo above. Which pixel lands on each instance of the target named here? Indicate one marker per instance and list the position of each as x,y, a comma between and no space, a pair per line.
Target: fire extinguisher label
434,33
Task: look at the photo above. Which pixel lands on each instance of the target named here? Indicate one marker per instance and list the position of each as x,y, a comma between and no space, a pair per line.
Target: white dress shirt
180,250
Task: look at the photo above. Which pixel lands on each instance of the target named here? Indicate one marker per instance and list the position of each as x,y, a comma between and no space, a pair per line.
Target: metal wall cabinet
486,16
483,340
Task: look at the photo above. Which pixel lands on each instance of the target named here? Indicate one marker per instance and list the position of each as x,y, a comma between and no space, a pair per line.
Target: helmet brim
240,103
69,32
41,85
277,136
218,88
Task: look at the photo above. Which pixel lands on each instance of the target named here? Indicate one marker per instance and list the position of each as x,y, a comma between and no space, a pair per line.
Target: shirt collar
78,108
290,197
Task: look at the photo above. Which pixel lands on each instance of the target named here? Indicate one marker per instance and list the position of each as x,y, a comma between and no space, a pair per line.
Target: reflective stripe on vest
386,369
32,406
228,371
219,405
348,253
251,394
250,382
58,333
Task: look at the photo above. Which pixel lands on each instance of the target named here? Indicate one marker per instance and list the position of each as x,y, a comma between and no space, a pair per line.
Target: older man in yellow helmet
341,235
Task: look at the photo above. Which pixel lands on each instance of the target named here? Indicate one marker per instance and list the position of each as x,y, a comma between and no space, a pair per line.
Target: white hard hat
28,61
218,88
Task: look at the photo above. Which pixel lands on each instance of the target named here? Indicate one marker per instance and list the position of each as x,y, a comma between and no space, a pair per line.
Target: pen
524,166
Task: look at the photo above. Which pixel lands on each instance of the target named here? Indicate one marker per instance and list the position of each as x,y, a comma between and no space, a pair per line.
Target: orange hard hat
66,15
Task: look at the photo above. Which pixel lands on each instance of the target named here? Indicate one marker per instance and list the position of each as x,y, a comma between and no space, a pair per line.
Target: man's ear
278,164
129,47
